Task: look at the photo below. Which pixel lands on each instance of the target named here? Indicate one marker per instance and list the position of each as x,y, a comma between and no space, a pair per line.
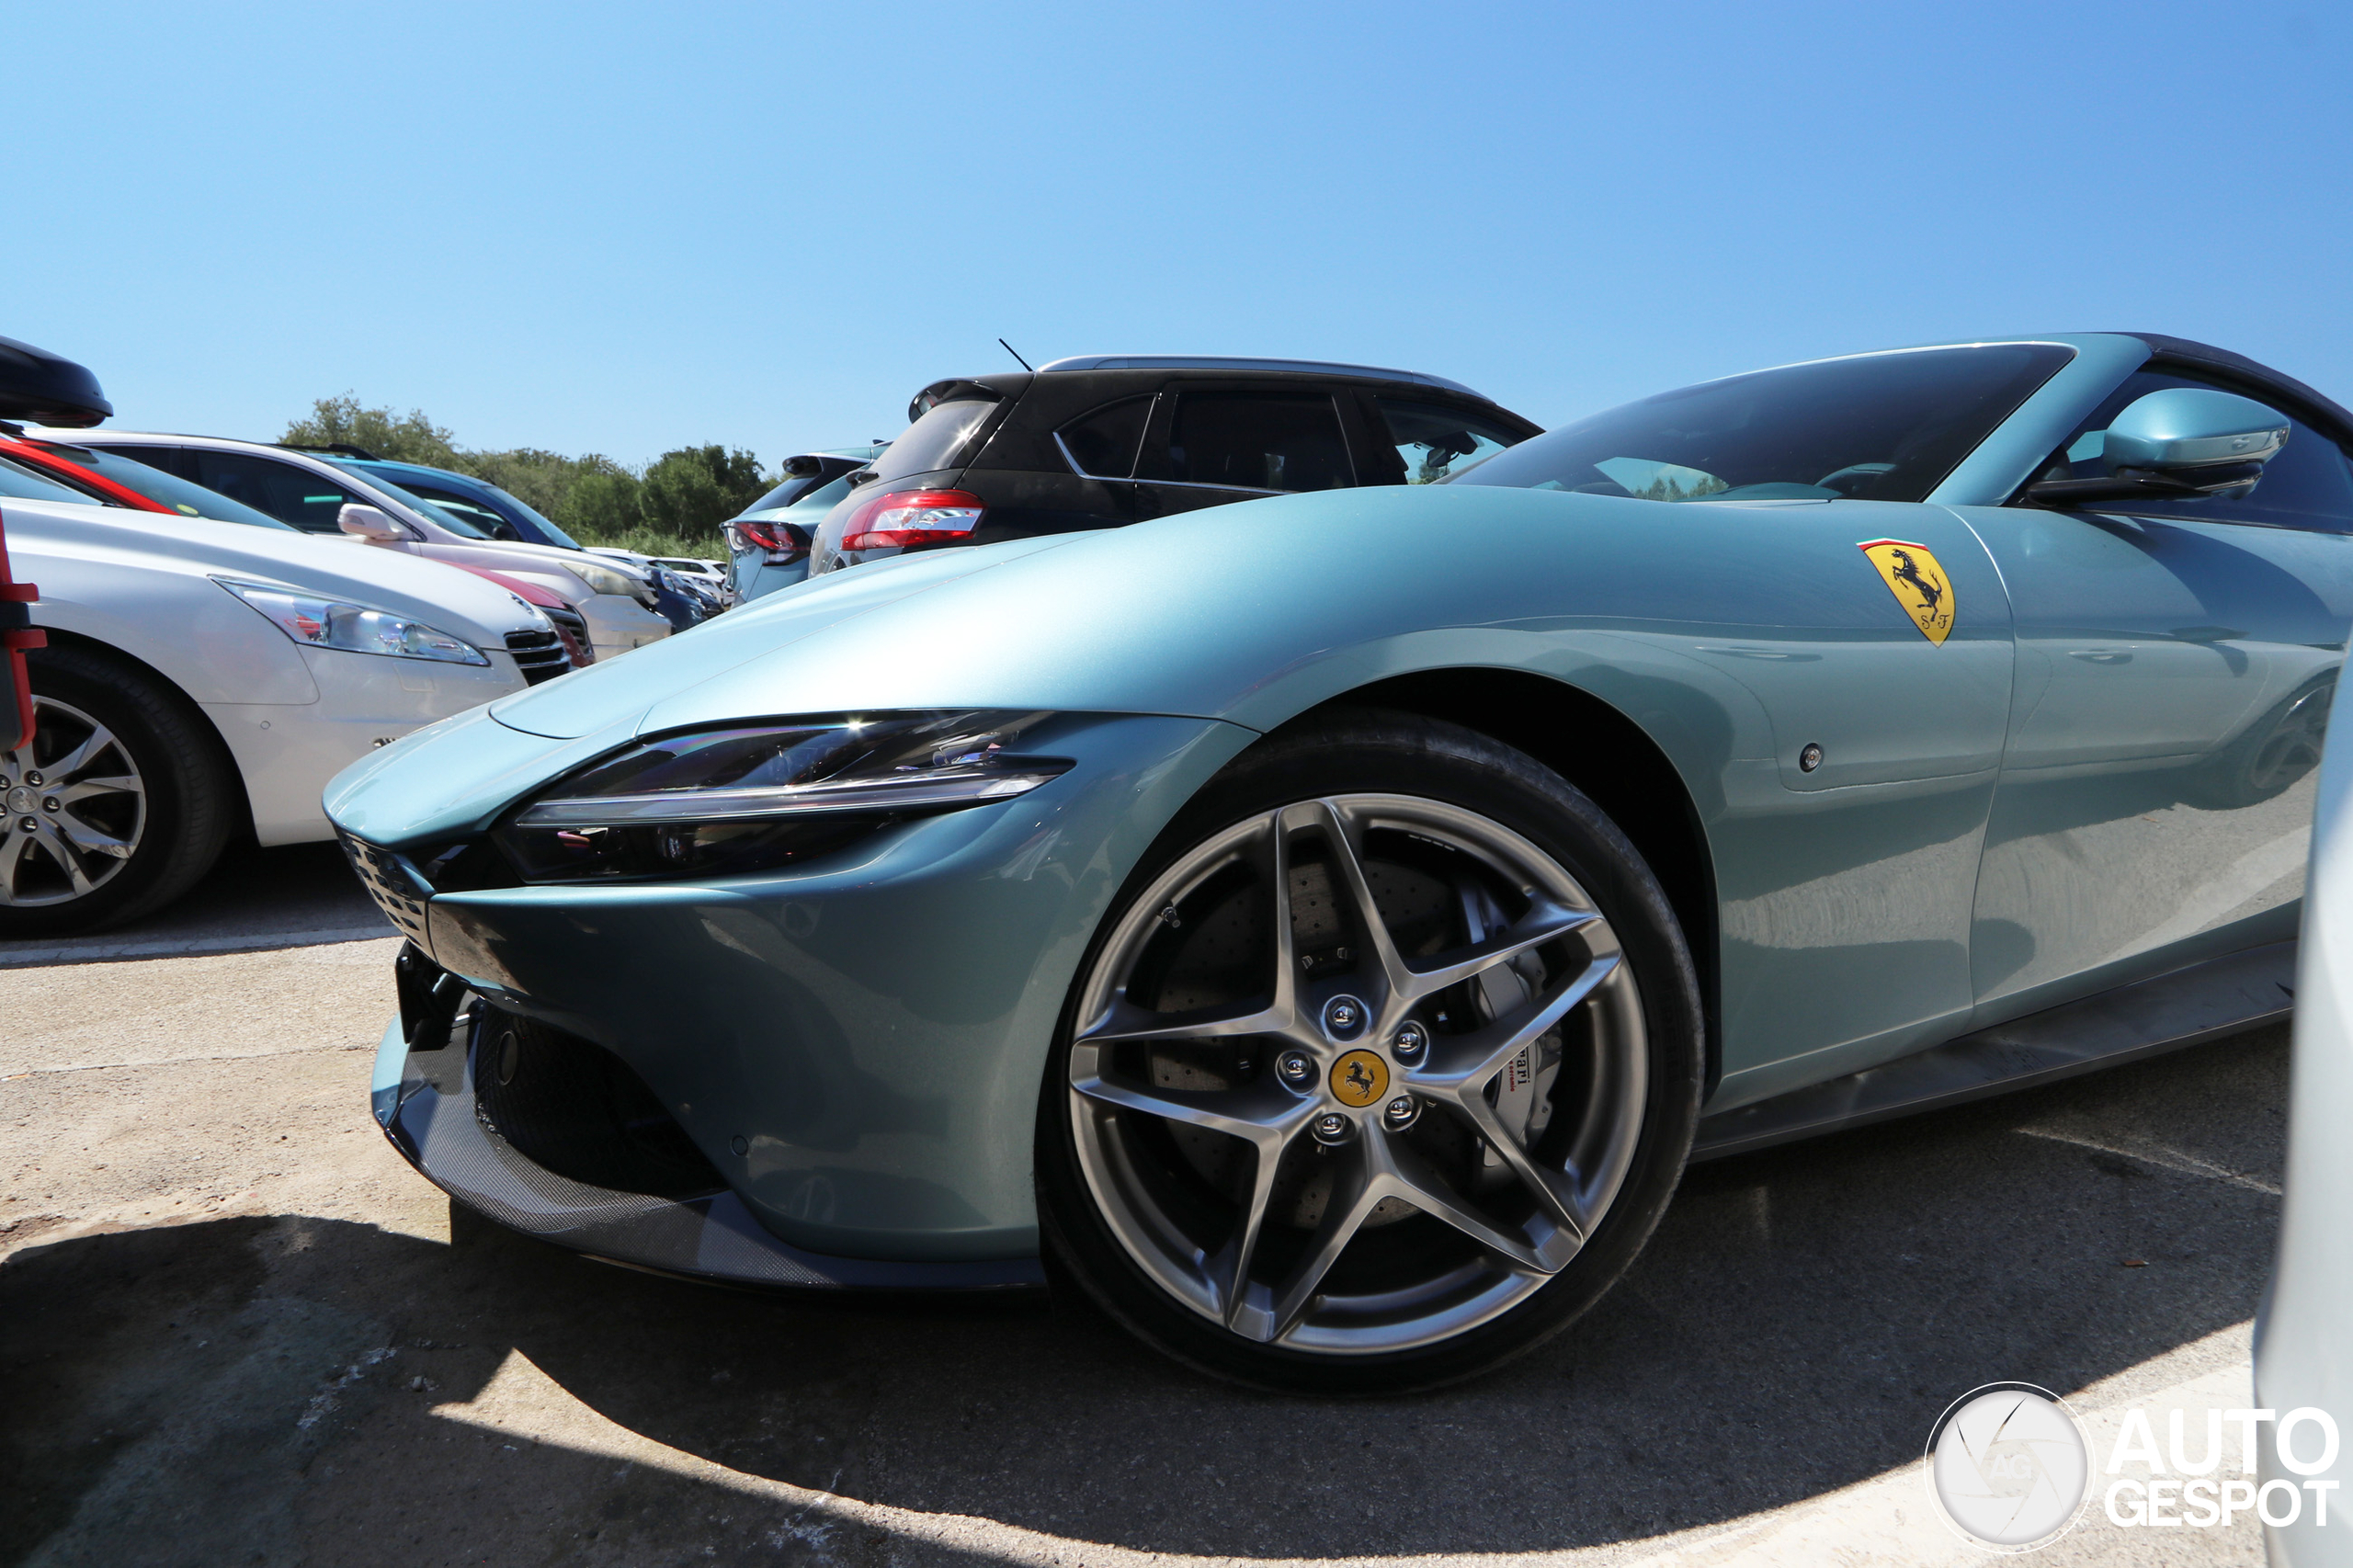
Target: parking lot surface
234,1327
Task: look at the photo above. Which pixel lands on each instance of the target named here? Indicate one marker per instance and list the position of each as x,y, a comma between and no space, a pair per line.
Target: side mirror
2183,441
505,531
371,523
803,466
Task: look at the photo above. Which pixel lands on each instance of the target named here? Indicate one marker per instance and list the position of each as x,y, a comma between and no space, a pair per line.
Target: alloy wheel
76,809
1357,1075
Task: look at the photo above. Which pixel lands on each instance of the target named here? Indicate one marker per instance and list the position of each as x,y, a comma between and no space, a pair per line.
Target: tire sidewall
1391,753
186,817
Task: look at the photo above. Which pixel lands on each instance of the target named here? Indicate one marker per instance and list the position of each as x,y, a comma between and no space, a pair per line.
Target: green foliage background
673,506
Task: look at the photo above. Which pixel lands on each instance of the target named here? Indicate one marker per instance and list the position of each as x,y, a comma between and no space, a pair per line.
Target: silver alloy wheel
1477,1086
76,809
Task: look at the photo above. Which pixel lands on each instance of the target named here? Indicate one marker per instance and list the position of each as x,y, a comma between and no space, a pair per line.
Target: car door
2175,665
1211,443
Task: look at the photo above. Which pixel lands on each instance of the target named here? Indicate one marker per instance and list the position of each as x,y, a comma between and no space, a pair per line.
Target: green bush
693,490
340,421
674,507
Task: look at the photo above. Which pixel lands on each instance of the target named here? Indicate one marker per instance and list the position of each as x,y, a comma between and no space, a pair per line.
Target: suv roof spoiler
1201,362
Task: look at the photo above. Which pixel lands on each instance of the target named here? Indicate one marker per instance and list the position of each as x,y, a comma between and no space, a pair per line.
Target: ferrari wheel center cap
1359,1078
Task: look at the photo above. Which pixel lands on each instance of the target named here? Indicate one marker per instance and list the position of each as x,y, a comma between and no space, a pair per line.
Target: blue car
1327,926
768,543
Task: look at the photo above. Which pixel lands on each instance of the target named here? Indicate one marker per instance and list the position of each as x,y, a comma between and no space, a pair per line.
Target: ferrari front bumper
856,1047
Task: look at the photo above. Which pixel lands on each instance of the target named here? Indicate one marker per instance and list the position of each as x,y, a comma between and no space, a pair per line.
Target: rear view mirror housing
2182,441
806,466
371,523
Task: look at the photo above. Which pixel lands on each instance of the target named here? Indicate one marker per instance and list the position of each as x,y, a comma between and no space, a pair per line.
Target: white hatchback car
318,494
204,677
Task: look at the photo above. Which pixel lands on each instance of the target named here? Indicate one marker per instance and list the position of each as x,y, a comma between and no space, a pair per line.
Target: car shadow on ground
296,892
1800,1319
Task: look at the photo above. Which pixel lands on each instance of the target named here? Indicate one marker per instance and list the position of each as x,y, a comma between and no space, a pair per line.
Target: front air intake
573,1107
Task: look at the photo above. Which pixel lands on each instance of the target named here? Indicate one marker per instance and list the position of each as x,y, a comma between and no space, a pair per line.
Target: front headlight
604,580
356,629
722,801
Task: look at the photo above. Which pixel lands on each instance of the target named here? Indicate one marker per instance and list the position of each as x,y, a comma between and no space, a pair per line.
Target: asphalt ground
235,1328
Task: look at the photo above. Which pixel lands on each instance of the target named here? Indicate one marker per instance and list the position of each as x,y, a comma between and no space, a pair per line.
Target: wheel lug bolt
33,779
1411,1042
1332,1128
4,781
1401,1112
30,824
52,804
1295,1068
1344,1017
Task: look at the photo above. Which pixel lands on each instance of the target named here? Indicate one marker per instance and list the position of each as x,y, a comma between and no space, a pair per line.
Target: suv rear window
936,440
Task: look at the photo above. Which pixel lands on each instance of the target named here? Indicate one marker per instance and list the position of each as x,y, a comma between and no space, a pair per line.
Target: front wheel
120,802
1381,1071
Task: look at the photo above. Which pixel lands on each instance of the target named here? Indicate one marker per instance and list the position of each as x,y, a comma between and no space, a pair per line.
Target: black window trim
1136,458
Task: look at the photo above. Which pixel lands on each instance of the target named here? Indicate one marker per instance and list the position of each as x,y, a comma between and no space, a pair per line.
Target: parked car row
228,624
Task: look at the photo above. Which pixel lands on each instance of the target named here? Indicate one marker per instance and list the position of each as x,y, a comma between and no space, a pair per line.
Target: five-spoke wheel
1358,1077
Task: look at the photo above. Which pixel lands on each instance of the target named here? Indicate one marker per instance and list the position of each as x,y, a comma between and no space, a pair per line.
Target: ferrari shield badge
1918,583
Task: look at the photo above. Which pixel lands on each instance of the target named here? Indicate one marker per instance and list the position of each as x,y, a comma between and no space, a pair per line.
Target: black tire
189,793
1397,755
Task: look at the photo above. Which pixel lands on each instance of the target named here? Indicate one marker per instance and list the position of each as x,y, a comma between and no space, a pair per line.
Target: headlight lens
604,580
356,629
720,802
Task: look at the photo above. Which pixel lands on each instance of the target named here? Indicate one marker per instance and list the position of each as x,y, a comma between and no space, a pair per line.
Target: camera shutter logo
2008,1467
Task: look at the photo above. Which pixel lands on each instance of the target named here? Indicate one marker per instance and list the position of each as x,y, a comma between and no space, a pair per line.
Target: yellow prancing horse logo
1918,583
1359,1078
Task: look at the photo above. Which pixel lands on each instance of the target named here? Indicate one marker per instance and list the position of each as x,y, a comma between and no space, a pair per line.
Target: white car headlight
604,579
355,628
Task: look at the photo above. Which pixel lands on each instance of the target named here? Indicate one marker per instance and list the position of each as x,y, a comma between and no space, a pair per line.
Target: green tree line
672,505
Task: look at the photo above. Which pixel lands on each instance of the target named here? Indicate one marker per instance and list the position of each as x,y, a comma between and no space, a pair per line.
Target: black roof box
41,389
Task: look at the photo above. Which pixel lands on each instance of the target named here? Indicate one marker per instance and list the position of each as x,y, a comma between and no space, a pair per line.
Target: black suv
1109,439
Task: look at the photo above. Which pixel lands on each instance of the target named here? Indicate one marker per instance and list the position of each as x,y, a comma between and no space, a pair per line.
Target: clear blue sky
626,227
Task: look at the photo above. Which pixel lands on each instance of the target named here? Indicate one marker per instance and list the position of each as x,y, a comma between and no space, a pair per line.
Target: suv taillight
912,516
783,542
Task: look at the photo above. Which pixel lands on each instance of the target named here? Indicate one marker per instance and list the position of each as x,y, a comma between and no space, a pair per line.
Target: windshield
24,484
189,500
555,535
1876,428
441,515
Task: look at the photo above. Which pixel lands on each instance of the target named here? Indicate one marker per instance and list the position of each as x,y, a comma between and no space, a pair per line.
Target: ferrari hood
1229,613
